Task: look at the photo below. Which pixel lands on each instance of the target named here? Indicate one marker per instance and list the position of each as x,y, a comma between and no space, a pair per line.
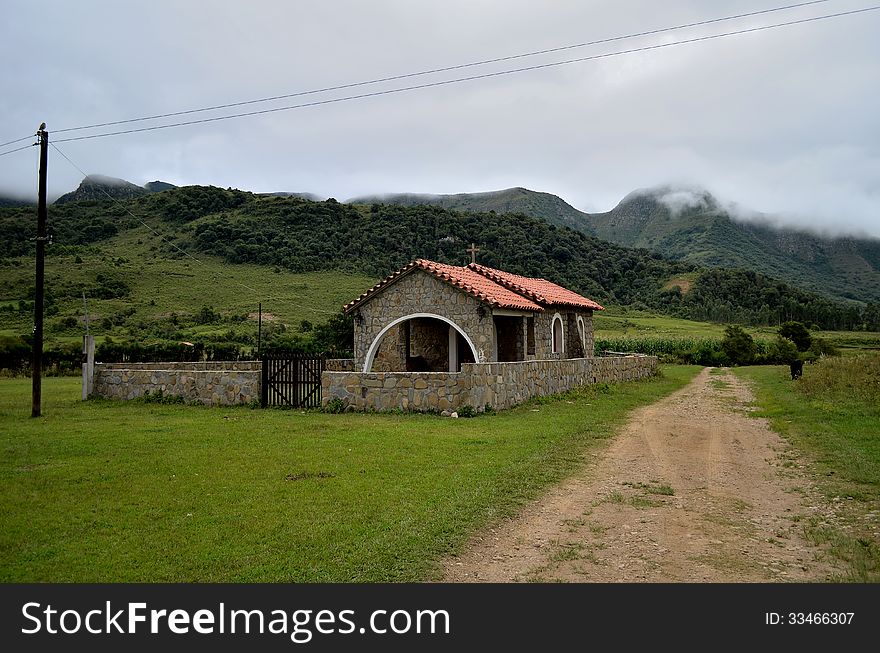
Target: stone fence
339,364
218,383
500,385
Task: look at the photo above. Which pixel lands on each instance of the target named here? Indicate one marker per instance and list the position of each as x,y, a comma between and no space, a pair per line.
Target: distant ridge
6,201
98,187
683,223
511,200
306,196
689,224
158,186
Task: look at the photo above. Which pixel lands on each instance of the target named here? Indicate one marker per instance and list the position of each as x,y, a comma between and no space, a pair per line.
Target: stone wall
500,385
503,385
571,335
416,391
221,383
339,364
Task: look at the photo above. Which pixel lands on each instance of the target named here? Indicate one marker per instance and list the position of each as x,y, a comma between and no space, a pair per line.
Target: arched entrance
421,342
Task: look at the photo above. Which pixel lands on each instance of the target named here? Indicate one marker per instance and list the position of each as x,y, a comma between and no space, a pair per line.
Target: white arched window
582,331
557,341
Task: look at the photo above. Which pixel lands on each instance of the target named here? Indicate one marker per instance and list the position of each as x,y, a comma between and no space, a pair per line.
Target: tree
738,345
797,333
336,336
782,351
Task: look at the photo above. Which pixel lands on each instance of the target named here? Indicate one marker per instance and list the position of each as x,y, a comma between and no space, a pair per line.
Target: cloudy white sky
783,121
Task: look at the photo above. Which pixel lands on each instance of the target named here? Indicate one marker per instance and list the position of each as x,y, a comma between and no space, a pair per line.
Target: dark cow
797,369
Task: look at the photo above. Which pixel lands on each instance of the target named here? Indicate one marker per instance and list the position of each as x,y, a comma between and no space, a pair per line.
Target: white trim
374,346
453,349
557,316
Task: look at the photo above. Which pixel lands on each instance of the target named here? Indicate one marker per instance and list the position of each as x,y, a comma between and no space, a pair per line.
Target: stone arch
374,346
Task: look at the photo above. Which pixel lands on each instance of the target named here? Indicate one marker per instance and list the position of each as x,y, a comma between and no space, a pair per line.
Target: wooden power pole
42,212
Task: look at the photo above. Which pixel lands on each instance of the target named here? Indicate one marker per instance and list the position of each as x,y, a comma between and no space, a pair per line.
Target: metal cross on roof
472,250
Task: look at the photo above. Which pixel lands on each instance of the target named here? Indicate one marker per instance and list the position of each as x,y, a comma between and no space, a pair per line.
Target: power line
18,149
472,77
443,69
181,250
17,140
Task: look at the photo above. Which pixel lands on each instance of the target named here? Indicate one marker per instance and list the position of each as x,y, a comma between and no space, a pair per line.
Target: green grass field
832,417
104,491
161,285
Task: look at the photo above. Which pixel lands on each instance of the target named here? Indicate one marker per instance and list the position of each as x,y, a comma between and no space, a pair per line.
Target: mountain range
551,208
684,224
692,226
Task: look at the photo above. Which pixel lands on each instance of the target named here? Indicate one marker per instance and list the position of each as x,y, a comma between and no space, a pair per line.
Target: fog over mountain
783,120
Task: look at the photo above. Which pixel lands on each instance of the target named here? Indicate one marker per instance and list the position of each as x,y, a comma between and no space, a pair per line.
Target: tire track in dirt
691,490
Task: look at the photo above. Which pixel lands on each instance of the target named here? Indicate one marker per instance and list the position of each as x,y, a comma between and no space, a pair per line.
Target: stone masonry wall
421,292
543,333
503,385
339,364
500,385
220,383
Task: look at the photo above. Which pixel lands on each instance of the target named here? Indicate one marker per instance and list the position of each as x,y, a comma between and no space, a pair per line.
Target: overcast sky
783,121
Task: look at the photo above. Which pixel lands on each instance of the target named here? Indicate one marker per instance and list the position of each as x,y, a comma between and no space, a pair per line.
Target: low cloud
781,121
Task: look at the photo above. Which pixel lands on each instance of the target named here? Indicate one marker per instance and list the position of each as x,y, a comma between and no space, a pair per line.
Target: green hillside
702,232
222,252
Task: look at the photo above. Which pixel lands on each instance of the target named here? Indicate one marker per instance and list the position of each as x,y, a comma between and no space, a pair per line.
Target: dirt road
693,489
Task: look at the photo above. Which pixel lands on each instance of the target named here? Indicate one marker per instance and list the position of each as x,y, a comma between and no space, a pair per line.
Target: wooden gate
292,380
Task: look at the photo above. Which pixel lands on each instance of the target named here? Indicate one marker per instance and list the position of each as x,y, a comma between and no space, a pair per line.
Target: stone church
433,317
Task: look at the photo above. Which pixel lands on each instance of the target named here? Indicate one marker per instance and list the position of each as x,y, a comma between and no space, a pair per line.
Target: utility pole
42,212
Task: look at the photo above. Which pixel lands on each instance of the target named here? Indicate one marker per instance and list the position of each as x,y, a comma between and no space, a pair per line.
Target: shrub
797,333
821,347
738,345
782,351
15,354
335,406
467,411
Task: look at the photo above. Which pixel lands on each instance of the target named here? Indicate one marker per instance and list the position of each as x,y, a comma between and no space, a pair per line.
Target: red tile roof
497,288
469,281
540,290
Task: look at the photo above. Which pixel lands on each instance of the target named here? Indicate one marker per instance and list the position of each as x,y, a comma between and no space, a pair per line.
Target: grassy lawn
161,285
832,415
104,491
